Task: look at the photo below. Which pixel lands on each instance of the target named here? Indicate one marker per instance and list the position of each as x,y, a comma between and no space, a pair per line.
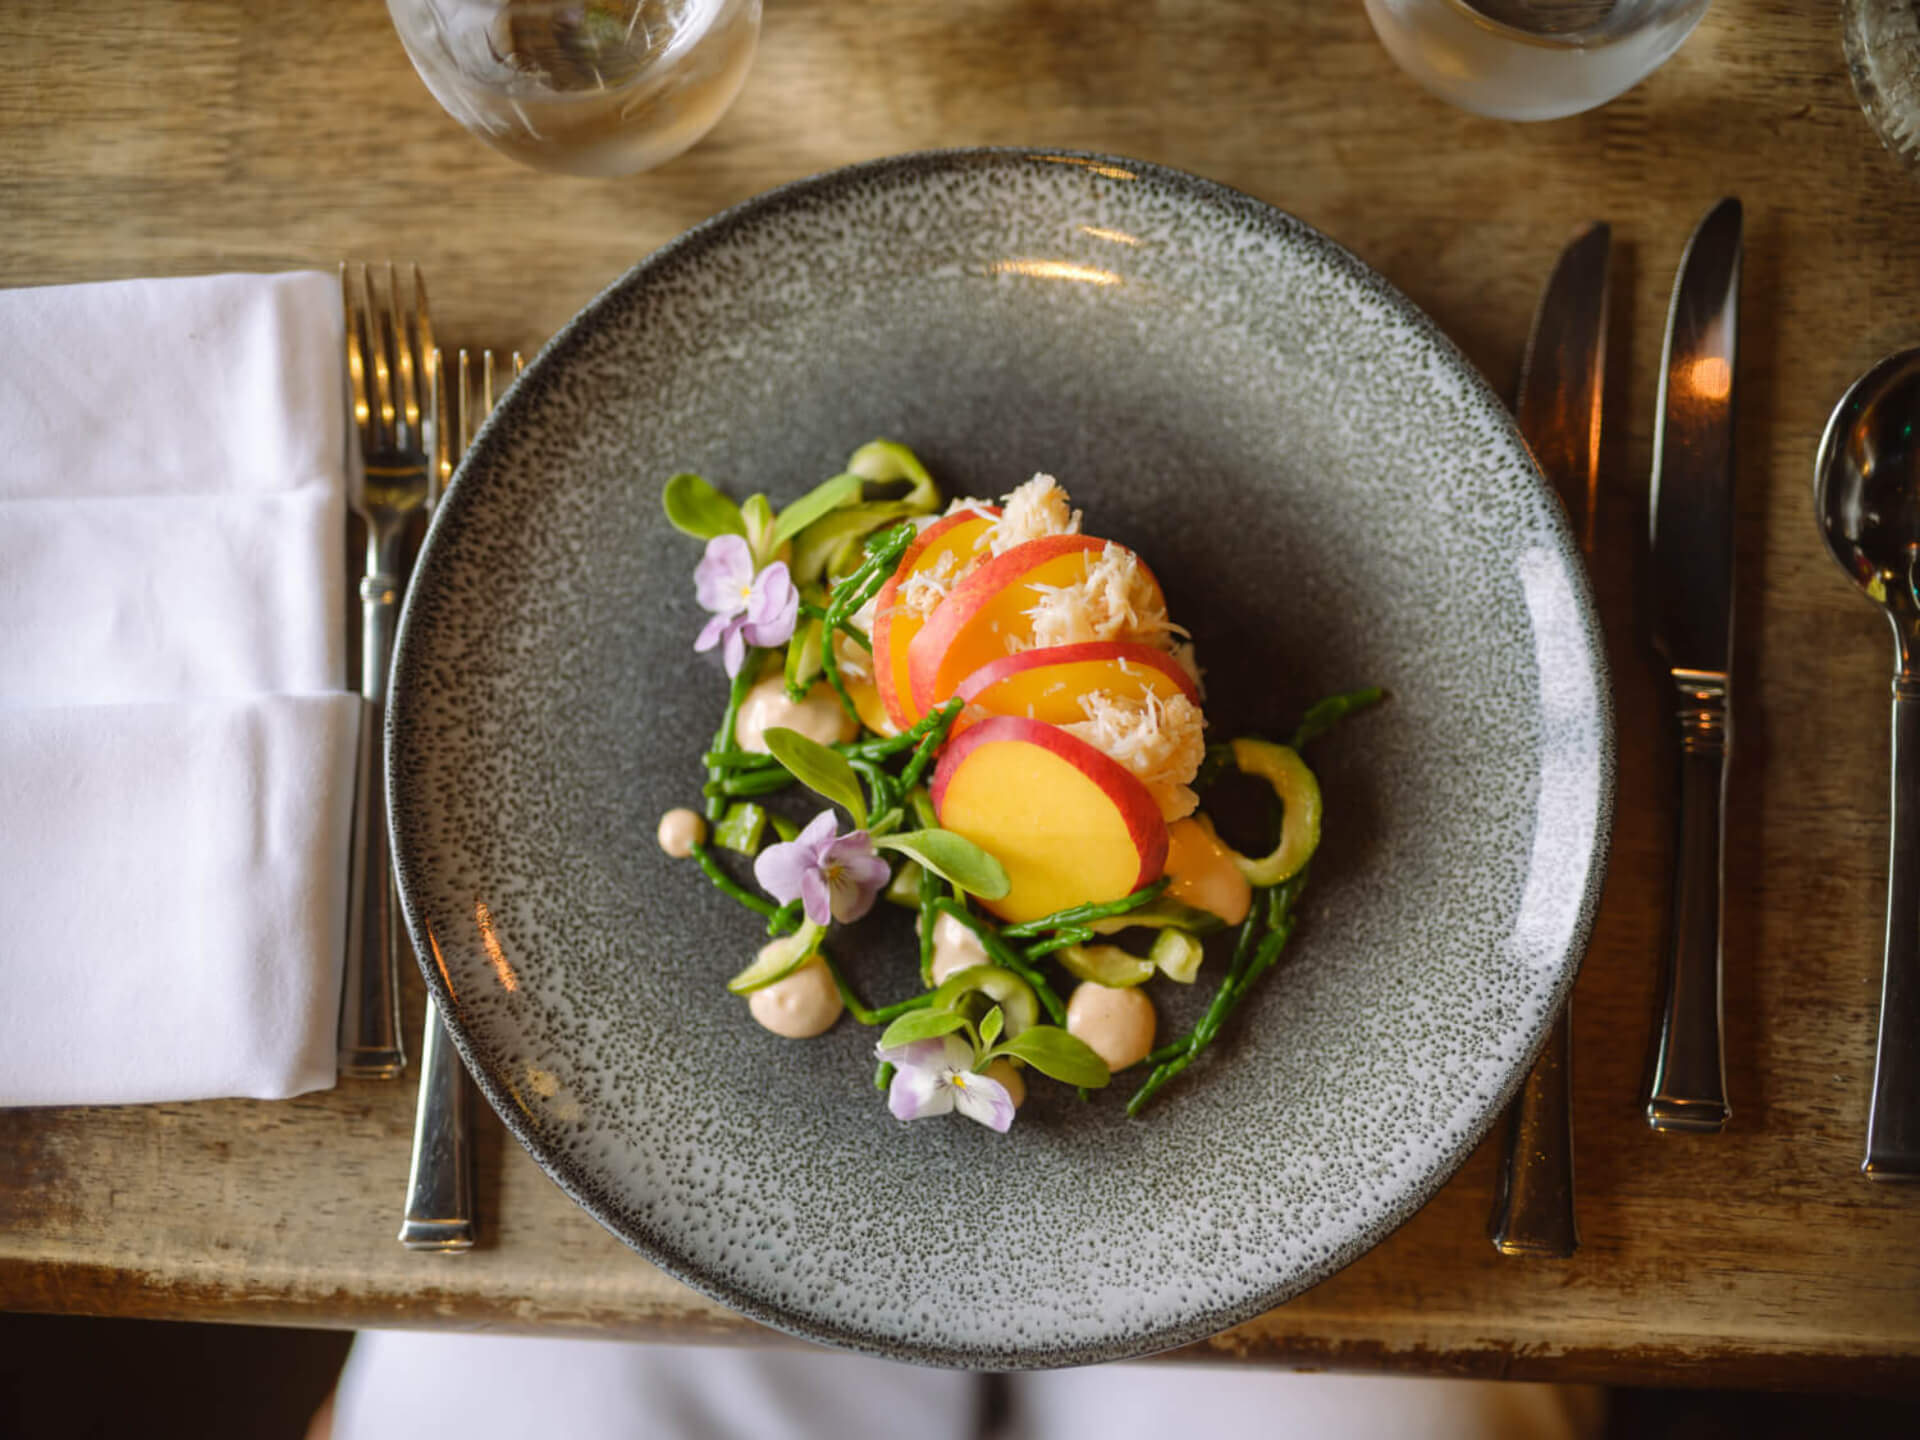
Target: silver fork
389,340
439,1214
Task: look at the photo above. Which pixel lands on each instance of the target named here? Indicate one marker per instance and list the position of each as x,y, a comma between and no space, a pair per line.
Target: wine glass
1532,59
589,87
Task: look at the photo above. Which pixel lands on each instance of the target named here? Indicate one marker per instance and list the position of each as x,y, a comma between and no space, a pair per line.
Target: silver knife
1692,537
1557,405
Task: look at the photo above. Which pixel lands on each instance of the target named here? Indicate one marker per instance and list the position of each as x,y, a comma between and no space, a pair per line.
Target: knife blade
1692,514
1557,402
1558,407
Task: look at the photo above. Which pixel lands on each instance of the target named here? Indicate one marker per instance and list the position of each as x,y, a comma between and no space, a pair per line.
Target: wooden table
197,135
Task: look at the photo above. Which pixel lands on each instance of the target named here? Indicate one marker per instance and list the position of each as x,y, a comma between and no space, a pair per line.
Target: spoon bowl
1866,488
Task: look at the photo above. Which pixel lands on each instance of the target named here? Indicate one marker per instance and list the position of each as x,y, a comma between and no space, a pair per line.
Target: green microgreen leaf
695,508
821,500
953,859
1052,1051
823,771
990,1026
921,1025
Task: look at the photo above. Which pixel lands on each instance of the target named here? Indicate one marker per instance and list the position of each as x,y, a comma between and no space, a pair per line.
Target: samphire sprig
1269,924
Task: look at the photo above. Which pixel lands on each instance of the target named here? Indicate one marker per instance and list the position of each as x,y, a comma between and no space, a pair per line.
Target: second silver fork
440,1209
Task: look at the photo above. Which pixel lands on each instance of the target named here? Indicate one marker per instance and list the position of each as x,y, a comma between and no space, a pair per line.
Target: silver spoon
1866,487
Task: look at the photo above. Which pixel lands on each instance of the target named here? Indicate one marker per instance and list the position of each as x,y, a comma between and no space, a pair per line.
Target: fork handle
370,1046
439,1212
1689,1088
1893,1125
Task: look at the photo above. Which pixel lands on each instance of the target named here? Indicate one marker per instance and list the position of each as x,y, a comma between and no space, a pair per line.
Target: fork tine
466,402
429,354
353,305
404,415
518,364
380,343
486,383
441,470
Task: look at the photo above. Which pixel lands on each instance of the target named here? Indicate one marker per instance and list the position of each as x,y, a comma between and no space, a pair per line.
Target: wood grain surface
189,135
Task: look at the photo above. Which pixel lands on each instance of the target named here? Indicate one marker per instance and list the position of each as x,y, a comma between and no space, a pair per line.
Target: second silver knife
1558,407
1692,539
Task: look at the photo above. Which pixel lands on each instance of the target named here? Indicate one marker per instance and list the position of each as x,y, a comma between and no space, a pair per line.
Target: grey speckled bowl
1331,497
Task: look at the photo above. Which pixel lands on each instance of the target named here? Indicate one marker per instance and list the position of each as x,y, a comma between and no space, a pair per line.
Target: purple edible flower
834,876
931,1077
748,608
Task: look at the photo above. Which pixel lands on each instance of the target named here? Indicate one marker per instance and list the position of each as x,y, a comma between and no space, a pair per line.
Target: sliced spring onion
778,959
1107,965
1283,769
1177,954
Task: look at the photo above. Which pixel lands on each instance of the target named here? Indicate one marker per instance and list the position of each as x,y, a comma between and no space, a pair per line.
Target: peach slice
1070,826
867,704
1047,684
962,535
985,617
1203,873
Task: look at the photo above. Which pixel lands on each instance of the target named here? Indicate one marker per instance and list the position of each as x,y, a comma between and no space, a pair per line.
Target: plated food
1329,494
1011,723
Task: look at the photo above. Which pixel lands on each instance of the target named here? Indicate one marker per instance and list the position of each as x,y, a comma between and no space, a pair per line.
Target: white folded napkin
176,746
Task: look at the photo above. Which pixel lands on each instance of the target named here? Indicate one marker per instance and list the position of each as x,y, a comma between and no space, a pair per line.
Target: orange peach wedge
985,617
1048,684
961,535
1069,825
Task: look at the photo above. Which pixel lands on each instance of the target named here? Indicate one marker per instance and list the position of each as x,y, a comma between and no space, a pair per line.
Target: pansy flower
749,607
932,1077
834,876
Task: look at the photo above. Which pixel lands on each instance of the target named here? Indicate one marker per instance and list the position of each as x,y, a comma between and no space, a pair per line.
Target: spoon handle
1893,1126
1689,1090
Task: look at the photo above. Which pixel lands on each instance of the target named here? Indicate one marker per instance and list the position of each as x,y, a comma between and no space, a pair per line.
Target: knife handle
1689,1088
1533,1210
1893,1125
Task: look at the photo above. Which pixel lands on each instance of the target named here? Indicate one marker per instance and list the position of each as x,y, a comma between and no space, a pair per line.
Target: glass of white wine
589,87
1532,59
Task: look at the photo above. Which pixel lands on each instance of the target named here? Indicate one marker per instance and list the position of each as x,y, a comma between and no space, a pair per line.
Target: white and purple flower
834,876
932,1077
749,607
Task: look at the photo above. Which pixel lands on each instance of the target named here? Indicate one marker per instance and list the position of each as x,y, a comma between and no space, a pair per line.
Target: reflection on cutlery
1867,497
1692,538
439,1214
1558,407
389,340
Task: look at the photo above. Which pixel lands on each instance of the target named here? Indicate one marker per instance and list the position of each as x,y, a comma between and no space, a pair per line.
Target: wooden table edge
38,1287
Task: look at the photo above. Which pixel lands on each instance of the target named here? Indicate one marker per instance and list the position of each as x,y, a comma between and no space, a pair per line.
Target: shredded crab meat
1033,511
923,590
1115,600
1158,741
969,505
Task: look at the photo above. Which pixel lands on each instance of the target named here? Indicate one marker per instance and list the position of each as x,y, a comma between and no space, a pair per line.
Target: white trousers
408,1386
